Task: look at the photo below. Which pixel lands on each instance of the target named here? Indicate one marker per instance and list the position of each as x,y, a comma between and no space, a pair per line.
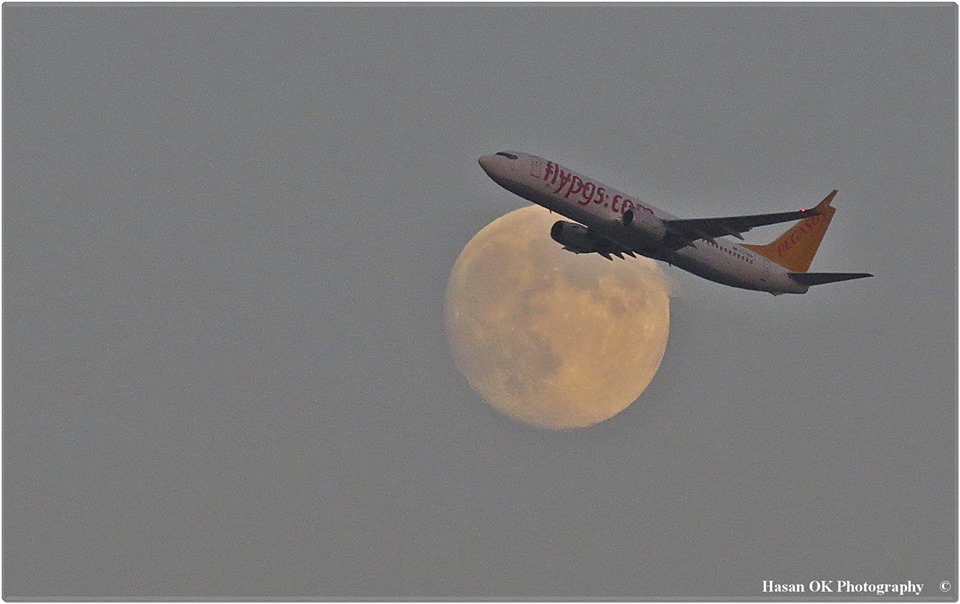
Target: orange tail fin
795,249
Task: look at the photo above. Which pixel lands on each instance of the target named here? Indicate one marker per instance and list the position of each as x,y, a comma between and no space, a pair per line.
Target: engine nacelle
575,237
646,225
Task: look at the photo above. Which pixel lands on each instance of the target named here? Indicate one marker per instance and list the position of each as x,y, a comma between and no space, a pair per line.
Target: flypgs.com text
589,192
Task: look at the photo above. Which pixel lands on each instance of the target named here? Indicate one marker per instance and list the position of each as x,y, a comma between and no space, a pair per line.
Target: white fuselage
601,209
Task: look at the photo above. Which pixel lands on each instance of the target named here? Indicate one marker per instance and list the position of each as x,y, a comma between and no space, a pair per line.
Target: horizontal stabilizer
821,278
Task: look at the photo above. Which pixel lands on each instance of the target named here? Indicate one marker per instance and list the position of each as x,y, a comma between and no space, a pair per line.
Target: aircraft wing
709,228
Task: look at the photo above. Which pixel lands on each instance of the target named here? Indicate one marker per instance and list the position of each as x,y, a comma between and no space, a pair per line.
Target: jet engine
647,226
579,240
576,238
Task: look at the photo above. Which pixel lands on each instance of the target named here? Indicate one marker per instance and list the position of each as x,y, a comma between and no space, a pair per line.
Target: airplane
611,223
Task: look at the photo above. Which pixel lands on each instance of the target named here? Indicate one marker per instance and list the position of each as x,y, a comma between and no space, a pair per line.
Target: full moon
550,338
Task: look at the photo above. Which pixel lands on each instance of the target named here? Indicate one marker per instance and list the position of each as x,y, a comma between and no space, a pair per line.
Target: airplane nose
486,162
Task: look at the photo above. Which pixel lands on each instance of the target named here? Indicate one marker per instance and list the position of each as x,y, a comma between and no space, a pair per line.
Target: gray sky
227,233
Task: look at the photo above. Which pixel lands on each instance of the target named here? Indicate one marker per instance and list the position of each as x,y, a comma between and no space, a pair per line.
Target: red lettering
614,205
551,171
564,179
796,235
589,190
601,195
576,185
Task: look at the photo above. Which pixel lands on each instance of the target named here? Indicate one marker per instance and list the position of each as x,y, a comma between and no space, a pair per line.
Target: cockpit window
507,155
